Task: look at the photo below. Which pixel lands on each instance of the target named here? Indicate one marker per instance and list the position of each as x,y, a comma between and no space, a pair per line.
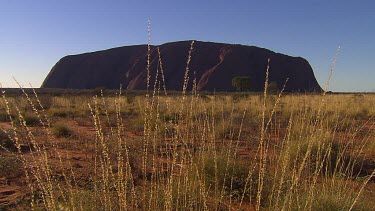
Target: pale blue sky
34,35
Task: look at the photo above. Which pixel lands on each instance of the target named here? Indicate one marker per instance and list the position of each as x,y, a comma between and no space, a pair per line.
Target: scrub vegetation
187,151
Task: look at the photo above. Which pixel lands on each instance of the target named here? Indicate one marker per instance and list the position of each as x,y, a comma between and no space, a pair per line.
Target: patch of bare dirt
10,193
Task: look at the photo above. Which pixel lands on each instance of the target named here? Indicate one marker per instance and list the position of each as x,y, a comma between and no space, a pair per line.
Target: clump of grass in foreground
329,198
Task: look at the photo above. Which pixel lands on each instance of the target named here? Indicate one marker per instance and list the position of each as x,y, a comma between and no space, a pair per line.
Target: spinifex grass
293,152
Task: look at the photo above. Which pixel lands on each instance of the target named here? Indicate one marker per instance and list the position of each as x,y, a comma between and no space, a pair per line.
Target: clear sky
35,34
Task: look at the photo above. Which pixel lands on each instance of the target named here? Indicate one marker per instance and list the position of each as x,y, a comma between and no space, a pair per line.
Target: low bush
331,198
31,121
62,131
10,166
228,175
6,142
67,112
3,117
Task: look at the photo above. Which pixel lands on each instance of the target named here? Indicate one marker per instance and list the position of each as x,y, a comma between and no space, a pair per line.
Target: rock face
213,65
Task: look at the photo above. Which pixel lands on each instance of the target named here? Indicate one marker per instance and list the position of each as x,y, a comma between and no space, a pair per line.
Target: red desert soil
77,152
10,192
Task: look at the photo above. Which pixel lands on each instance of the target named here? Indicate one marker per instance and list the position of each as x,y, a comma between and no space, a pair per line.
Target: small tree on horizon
241,83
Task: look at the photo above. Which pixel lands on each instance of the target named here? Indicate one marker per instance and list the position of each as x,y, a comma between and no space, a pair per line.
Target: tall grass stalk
198,152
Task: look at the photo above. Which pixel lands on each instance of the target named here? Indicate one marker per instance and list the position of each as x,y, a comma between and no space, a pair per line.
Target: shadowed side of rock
213,65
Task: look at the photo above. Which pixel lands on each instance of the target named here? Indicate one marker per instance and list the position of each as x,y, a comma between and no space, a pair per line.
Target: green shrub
62,131
63,113
136,123
173,117
331,199
46,101
226,173
326,156
6,142
3,117
241,83
223,130
30,121
10,166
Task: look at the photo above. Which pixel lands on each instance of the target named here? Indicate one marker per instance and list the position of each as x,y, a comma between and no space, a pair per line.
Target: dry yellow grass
189,164
192,152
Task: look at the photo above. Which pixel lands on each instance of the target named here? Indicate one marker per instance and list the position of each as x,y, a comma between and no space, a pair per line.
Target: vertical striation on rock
212,64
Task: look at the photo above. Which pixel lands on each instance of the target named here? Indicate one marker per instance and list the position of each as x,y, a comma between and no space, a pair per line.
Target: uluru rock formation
214,65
